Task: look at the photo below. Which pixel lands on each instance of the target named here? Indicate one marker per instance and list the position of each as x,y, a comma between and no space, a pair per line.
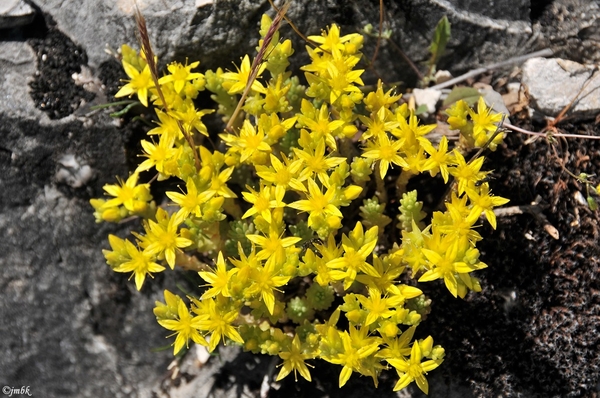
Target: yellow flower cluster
285,180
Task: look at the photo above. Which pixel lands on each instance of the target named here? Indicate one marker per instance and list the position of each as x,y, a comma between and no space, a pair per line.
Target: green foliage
469,94
372,214
290,192
410,212
298,310
441,35
319,297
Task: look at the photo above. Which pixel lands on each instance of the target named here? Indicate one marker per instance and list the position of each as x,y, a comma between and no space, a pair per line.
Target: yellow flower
218,186
352,354
263,201
357,247
167,126
319,123
398,347
168,309
315,160
266,279
377,124
190,117
132,196
484,120
188,203
273,246
293,359
217,320
218,279
157,155
386,152
413,369
186,328
483,202
466,173
446,265
235,83
139,84
162,237
377,99
179,74
317,202
331,41
408,133
378,307
118,255
458,226
341,78
457,115
283,174
140,263
438,159
249,143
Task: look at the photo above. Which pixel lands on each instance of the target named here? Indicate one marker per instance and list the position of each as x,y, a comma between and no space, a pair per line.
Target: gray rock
15,13
17,63
71,327
570,28
510,10
553,83
219,32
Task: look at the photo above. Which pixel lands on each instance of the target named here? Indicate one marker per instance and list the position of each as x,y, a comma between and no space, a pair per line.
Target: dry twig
535,210
151,61
256,63
475,72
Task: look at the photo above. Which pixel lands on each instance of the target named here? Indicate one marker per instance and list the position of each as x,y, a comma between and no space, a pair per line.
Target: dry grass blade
294,27
543,134
258,61
144,39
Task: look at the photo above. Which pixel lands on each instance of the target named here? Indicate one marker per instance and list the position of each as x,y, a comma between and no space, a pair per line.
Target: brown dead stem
257,62
144,40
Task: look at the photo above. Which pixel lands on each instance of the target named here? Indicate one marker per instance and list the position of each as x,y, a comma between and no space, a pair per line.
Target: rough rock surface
553,83
15,13
73,328
571,28
217,32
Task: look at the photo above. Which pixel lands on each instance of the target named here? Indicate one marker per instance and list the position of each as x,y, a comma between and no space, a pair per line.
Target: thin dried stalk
144,39
475,72
256,63
295,28
544,134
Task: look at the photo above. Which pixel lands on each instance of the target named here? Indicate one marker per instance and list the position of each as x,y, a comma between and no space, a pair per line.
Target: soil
534,327
54,90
